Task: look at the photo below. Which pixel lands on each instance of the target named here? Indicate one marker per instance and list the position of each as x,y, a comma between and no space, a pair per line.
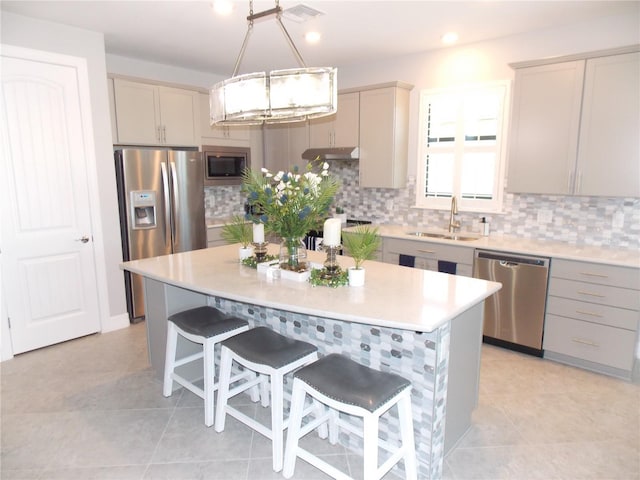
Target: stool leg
333,426
209,380
264,391
223,388
277,423
406,432
170,358
370,452
293,432
319,411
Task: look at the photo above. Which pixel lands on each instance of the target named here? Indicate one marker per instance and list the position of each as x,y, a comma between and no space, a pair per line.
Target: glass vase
293,254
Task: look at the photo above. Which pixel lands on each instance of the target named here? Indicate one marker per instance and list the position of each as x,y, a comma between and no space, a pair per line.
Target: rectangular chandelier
279,96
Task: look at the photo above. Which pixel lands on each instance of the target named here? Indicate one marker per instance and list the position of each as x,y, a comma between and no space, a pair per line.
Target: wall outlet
545,216
618,220
388,204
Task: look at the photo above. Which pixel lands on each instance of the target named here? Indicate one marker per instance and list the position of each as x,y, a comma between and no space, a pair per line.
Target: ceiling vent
301,13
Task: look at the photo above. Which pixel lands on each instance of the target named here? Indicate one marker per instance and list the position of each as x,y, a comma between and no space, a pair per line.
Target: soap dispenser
484,226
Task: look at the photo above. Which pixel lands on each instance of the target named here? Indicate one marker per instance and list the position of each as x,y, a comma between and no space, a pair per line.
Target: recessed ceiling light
312,37
449,38
223,7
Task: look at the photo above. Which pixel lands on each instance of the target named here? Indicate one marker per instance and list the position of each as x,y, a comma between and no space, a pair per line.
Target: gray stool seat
269,356
206,322
346,381
264,346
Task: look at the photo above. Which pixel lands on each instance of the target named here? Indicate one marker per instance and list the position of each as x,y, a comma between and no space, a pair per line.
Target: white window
462,147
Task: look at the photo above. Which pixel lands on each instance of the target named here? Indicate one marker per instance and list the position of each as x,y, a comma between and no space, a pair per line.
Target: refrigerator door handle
176,205
167,202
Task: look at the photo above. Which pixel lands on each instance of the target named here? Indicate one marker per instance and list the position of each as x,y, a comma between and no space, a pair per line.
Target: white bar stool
346,386
265,352
206,326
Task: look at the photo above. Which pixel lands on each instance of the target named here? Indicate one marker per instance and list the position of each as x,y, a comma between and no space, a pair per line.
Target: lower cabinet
592,316
428,255
214,237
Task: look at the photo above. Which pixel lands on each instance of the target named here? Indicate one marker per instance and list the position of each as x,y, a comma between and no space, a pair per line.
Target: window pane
481,117
439,175
441,127
478,175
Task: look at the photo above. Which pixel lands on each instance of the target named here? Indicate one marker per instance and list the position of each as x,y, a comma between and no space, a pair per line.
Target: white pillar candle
258,233
331,232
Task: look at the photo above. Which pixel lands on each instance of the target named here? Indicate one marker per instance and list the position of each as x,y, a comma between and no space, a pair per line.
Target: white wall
30,33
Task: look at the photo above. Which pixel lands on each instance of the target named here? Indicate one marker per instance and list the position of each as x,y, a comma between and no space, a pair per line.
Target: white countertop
393,296
606,255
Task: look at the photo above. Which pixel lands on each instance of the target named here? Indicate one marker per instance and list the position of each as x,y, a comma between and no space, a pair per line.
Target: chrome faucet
454,224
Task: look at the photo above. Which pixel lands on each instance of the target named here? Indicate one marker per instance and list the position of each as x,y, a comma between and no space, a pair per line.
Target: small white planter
356,276
245,252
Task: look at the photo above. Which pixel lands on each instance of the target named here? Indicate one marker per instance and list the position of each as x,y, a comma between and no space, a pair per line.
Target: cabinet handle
589,274
579,182
584,342
590,294
164,134
427,251
569,182
593,314
158,134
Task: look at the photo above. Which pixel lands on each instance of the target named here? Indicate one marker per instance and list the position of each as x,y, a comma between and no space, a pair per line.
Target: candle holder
260,251
331,268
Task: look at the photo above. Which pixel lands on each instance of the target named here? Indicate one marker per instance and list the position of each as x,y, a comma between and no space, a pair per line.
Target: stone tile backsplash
593,221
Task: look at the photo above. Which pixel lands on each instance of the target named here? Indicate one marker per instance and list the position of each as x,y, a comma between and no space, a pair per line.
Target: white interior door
48,275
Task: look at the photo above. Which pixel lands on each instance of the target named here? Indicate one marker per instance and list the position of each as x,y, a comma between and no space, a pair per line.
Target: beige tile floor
92,409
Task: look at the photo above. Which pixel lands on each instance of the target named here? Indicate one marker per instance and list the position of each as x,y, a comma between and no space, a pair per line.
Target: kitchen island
425,326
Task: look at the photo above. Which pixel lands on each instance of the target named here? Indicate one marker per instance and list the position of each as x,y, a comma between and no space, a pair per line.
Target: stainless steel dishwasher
514,316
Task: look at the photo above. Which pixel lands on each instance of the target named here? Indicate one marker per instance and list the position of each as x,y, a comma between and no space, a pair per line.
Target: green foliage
318,279
289,203
238,231
361,243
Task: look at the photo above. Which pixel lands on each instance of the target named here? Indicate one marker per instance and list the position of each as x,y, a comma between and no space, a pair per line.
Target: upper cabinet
574,127
284,144
384,135
341,129
149,114
227,135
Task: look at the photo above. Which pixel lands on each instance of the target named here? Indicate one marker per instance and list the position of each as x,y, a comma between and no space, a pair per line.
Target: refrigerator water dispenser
143,209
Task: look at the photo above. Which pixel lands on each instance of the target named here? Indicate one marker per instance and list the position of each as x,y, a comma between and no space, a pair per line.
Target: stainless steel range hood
332,153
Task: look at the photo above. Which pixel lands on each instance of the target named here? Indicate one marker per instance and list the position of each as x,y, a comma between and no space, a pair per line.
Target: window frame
465,204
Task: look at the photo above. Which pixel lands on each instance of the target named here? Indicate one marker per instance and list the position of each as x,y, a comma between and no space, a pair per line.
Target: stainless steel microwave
225,165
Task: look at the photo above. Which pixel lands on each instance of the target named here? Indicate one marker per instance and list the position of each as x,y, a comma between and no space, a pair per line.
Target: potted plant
239,231
361,243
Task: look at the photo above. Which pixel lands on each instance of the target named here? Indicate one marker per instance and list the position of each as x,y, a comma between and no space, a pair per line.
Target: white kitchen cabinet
149,114
214,237
341,129
574,127
224,135
384,135
609,145
592,316
428,254
284,144
112,111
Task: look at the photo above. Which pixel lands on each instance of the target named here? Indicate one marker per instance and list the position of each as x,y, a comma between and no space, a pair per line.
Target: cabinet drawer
427,250
592,293
216,243
215,234
591,312
597,273
588,341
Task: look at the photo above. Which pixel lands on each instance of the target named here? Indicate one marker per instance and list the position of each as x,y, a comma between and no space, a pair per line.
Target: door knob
83,239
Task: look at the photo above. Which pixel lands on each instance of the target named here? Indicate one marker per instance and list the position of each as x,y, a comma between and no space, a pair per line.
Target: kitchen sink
446,236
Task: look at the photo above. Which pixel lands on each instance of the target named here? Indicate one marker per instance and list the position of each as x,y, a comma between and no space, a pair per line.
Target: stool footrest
321,464
250,422
189,359
188,385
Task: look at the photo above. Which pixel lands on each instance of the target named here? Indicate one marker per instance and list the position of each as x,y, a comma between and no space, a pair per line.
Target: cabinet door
284,144
137,113
341,129
347,122
384,118
544,128
609,149
229,135
178,114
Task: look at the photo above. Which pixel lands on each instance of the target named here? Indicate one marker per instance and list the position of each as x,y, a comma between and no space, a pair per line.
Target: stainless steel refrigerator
161,202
